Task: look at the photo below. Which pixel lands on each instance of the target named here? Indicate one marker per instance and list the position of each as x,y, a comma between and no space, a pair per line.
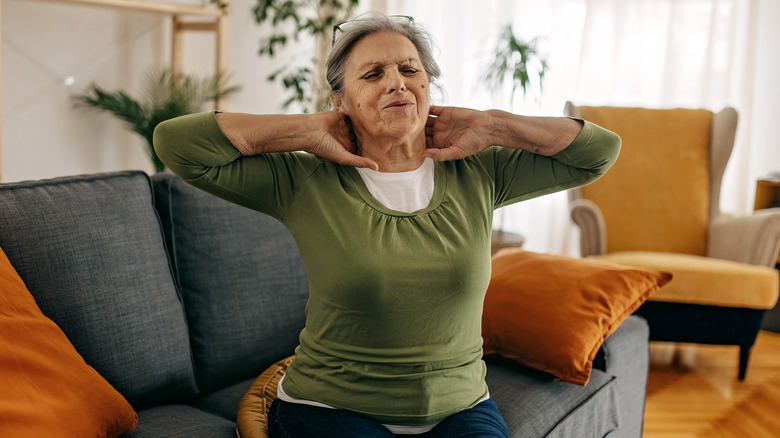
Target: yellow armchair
658,207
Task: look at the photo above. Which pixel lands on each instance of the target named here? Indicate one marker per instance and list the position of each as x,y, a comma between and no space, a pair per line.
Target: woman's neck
394,155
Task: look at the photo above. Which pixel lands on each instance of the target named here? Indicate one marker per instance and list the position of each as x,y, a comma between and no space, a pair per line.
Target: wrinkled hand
452,133
332,138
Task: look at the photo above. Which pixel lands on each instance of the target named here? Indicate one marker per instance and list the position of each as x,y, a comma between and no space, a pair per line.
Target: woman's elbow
611,151
164,141
614,143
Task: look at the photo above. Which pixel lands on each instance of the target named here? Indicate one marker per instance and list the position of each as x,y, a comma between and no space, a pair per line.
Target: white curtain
651,53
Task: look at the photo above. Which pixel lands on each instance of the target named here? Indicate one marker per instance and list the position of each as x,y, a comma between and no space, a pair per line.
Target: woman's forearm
325,134
254,134
540,135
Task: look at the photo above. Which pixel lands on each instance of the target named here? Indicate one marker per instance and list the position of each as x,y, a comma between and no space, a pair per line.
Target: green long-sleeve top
393,319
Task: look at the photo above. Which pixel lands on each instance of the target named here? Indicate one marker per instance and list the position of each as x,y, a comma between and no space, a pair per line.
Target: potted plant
516,59
289,19
164,98
521,62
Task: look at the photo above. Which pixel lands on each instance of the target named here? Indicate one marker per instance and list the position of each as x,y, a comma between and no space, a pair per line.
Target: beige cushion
252,418
705,280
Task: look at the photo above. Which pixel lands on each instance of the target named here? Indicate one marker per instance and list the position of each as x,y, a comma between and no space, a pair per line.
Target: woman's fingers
435,110
367,163
443,154
358,161
342,156
435,154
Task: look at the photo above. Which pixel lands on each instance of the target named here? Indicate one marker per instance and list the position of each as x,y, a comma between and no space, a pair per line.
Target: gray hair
369,23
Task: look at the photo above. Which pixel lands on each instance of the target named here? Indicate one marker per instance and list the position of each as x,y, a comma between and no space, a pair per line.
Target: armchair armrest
593,236
753,239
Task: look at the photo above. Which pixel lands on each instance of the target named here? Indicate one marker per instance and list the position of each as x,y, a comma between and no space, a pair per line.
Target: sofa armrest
593,236
626,355
753,239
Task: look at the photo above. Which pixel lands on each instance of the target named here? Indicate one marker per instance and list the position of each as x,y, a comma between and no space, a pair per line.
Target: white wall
51,51
766,92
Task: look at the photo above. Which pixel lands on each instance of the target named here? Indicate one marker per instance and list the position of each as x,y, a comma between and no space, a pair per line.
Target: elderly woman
391,208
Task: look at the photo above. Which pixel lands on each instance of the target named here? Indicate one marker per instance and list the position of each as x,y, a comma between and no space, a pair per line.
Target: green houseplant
164,97
289,19
518,60
522,63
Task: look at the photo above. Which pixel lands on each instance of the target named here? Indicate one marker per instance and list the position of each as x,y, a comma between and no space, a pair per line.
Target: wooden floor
693,391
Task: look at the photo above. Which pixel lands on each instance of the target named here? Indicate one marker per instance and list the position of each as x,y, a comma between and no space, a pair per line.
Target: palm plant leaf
163,98
118,103
515,59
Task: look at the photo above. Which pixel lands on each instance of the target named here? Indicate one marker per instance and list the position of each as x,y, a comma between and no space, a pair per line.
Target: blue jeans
294,420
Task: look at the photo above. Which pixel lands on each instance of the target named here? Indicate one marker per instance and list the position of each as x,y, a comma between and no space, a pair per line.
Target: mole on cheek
422,86
358,105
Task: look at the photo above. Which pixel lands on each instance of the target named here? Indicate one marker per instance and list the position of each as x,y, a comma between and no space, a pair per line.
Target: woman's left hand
452,133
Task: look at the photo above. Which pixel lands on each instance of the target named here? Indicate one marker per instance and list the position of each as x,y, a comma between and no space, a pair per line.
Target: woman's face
385,88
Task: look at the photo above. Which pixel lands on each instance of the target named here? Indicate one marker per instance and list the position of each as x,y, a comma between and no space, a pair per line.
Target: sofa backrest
91,252
242,281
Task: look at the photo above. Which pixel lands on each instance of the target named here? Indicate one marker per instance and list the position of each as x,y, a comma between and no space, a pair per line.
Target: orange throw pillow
46,388
553,312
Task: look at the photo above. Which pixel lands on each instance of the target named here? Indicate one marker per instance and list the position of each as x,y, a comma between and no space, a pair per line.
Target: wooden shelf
149,6
218,21
767,194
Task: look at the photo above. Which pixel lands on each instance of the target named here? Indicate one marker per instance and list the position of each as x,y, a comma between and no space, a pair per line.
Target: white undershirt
401,191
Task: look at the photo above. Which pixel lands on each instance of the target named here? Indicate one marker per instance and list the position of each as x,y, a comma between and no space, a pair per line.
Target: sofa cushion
91,252
181,421
534,405
46,384
224,402
241,278
553,312
705,280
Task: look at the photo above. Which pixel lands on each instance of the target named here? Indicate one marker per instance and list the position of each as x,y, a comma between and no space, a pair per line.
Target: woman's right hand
332,138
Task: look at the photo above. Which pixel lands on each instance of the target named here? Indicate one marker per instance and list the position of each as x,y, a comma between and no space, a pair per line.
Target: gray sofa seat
180,300
611,404
181,421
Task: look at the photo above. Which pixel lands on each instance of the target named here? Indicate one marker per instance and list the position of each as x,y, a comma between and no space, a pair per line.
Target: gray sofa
180,300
